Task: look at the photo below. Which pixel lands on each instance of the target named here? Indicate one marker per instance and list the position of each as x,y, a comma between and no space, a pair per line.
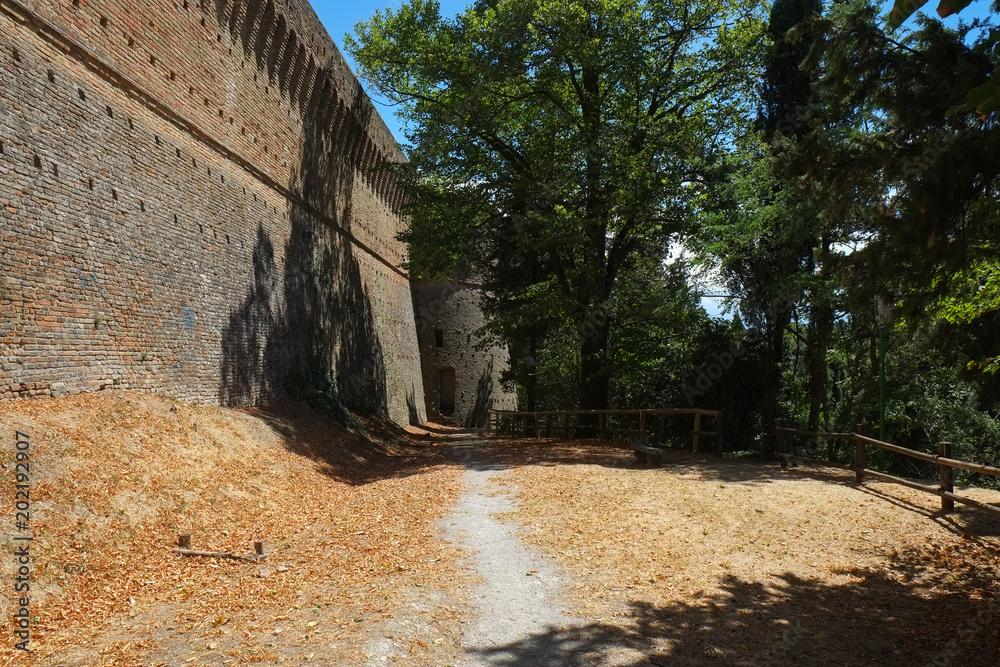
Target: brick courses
197,200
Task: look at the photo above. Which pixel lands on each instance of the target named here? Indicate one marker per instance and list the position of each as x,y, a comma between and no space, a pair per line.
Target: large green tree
769,242
554,142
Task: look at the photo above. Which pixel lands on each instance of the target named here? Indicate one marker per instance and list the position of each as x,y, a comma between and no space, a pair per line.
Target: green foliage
555,141
321,392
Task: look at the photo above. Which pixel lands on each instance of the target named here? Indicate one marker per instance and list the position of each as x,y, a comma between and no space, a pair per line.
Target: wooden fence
539,422
946,464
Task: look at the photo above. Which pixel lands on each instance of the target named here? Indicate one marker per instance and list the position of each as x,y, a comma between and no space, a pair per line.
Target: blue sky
339,17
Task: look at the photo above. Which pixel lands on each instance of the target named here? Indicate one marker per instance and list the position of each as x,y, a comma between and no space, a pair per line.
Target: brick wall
448,317
196,199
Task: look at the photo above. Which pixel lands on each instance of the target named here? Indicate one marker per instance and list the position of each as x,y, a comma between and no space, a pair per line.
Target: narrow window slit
38,162
52,77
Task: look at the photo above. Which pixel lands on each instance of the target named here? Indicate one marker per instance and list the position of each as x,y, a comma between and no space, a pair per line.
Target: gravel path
520,593
519,598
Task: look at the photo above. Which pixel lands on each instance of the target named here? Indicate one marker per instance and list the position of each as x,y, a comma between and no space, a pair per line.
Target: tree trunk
776,322
594,375
820,326
531,375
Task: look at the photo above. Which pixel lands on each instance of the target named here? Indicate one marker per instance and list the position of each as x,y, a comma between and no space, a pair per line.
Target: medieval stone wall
453,361
197,199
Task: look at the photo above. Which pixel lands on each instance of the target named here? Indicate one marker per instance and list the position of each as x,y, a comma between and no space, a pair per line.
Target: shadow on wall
312,327
411,406
484,399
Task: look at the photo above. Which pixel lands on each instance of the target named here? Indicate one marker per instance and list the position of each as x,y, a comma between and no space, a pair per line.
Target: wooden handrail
943,460
933,458
649,411
540,418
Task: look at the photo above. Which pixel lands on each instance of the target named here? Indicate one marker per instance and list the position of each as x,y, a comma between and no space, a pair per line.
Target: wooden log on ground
648,457
214,554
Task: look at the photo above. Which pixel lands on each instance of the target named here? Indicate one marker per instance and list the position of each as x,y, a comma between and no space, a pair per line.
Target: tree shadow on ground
924,607
962,520
376,449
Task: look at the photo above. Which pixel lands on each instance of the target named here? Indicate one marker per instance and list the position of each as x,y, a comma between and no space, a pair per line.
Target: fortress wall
448,319
196,201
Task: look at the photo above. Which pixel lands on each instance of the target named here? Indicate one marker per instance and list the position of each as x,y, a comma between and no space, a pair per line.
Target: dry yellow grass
744,563
730,562
347,519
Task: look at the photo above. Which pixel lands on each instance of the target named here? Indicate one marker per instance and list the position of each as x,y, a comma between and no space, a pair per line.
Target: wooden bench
648,457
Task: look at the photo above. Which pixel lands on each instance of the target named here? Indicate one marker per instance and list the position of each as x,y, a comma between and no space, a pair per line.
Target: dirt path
515,593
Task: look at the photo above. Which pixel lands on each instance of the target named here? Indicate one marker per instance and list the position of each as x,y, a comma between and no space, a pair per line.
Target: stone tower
461,378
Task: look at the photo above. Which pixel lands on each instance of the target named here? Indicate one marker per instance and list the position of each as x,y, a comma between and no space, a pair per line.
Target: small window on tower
438,338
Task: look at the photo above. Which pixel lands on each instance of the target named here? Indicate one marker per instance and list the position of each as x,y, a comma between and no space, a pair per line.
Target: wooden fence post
642,427
696,434
718,433
534,418
947,477
602,425
566,425
859,454
779,442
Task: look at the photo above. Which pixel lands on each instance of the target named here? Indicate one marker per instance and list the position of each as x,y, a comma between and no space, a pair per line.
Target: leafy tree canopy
556,142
